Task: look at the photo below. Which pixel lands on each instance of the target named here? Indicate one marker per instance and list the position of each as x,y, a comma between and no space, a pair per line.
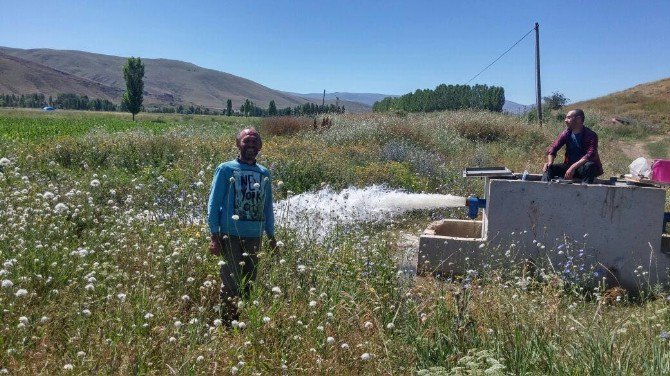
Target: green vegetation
647,104
133,73
105,268
555,101
62,101
451,97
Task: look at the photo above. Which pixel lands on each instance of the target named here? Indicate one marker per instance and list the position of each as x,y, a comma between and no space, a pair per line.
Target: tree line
248,108
67,101
446,97
70,101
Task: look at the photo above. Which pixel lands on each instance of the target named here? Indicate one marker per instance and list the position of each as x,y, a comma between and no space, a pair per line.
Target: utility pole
323,101
538,99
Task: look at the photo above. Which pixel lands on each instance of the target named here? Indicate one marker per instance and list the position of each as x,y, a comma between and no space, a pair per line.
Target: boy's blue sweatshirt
242,190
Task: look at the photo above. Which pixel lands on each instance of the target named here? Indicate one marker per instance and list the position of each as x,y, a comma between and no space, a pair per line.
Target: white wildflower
6,283
330,340
95,183
68,367
21,292
365,357
61,208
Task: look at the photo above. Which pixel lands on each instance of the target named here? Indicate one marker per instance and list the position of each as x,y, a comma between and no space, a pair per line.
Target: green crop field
105,267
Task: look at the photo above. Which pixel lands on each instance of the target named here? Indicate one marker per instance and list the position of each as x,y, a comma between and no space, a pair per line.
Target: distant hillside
19,76
365,98
516,108
648,102
167,82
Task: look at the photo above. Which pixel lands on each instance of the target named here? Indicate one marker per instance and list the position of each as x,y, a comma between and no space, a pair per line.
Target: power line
503,54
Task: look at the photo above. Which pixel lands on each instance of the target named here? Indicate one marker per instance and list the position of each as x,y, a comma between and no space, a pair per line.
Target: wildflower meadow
105,266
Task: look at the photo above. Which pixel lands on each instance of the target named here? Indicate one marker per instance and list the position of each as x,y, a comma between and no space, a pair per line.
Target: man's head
575,119
249,142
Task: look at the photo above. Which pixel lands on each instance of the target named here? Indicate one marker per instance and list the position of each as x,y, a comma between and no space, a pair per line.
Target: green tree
272,108
133,72
555,101
229,107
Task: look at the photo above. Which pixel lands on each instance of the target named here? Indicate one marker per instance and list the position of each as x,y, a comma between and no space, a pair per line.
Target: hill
365,98
21,76
516,108
167,82
646,103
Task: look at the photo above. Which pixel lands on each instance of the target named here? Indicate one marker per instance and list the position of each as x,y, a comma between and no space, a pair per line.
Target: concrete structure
585,232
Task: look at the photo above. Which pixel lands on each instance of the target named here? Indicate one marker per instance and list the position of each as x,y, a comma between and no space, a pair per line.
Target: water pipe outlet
474,203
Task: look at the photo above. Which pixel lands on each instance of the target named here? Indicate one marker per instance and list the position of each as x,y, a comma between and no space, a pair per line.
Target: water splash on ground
315,214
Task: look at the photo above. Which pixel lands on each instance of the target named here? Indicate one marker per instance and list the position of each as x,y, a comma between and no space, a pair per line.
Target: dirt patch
638,148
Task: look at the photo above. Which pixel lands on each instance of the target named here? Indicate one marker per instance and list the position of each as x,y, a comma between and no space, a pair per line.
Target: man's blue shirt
240,200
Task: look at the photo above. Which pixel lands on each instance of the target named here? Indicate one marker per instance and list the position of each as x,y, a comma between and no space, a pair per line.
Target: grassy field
106,270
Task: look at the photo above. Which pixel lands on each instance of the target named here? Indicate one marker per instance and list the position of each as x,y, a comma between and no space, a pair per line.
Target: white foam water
315,214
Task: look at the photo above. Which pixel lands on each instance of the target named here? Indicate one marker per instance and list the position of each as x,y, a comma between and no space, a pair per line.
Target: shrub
285,125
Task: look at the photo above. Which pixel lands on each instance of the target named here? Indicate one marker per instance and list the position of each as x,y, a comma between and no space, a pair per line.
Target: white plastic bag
640,168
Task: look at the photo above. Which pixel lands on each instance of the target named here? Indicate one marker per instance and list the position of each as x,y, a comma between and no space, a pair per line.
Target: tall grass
105,267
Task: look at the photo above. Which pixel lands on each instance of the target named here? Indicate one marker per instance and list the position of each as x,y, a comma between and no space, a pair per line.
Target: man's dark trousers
586,172
240,256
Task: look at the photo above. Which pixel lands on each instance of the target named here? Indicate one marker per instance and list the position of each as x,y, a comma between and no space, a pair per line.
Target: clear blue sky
392,47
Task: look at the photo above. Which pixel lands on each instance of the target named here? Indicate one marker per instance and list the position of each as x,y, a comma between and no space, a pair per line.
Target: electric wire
503,54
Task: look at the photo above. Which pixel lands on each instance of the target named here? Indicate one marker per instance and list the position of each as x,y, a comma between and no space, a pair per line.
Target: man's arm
591,145
569,174
554,148
550,160
269,212
216,194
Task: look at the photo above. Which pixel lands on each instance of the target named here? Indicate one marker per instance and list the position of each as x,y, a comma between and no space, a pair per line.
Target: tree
272,108
555,101
229,107
133,72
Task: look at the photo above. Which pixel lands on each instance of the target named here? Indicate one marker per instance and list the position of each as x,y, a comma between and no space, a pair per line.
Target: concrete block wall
617,227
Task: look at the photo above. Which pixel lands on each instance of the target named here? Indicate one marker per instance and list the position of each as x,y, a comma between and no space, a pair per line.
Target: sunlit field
105,267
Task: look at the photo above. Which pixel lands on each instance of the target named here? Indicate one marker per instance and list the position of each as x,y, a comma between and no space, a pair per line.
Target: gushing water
315,214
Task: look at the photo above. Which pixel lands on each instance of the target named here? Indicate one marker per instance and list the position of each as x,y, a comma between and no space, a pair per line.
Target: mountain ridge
167,82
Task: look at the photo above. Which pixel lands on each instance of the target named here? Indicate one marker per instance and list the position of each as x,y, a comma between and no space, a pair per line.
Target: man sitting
581,152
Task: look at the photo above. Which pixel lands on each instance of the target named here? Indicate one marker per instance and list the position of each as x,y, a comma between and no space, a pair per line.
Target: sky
588,48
